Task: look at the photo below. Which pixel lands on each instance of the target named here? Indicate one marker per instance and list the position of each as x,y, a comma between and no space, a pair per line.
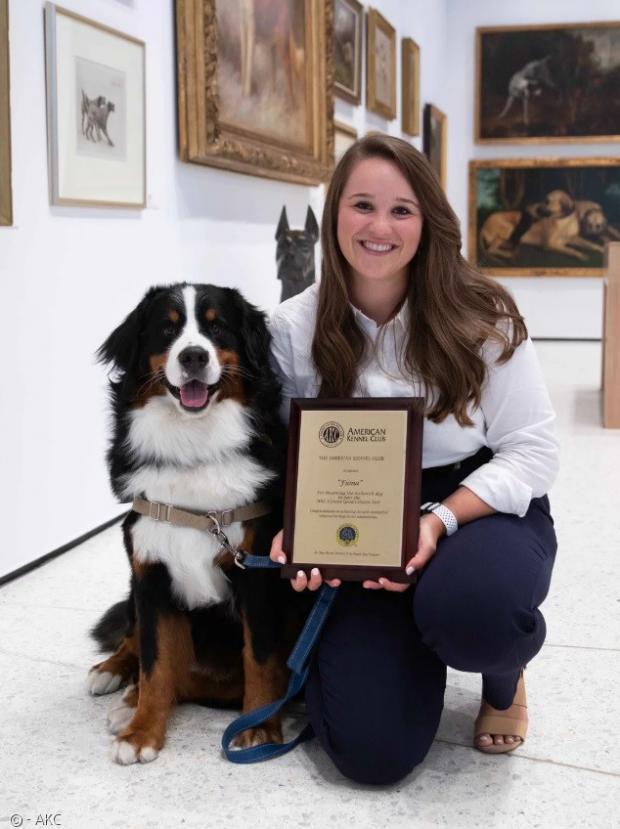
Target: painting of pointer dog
543,217
548,83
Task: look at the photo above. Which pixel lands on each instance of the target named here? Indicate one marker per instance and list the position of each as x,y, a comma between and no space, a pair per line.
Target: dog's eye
215,328
168,331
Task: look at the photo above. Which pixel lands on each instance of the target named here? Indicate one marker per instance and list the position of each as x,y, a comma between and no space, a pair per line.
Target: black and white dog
196,427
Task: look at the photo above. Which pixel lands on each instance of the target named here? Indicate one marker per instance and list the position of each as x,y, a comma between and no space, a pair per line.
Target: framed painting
255,82
95,113
348,26
381,66
6,211
543,217
344,137
435,141
537,84
410,56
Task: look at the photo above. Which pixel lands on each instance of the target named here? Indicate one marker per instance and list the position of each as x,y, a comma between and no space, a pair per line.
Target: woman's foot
497,731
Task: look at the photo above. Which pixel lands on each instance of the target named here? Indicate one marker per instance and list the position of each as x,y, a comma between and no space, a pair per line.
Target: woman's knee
378,763
474,617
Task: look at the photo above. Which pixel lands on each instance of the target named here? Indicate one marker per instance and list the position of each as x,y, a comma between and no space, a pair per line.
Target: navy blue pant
375,691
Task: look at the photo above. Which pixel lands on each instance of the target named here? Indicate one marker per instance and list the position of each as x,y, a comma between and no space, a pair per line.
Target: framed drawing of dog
543,217
435,141
410,55
255,81
6,212
348,26
548,83
95,113
381,66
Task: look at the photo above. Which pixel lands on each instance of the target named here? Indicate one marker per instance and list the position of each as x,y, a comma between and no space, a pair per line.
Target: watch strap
445,515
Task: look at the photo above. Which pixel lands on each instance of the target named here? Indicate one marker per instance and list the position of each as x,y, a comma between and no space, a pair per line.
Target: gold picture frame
410,80
543,84
344,136
381,66
223,122
6,209
542,217
348,39
435,141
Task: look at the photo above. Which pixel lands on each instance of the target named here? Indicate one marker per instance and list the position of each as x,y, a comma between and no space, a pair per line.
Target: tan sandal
510,722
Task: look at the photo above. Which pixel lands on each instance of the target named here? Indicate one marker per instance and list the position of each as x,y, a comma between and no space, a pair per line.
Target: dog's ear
121,348
282,224
312,227
254,335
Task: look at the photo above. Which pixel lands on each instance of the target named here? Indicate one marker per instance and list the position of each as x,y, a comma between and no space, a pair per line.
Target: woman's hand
301,581
431,530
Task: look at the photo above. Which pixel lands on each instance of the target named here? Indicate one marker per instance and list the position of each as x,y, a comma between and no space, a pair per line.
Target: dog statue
295,254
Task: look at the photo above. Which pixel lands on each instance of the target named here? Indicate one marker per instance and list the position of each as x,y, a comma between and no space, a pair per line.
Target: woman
399,312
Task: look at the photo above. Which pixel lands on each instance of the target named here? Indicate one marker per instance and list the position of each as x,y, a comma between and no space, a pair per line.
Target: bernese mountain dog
197,428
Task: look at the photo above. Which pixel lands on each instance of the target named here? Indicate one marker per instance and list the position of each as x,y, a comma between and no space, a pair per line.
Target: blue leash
299,665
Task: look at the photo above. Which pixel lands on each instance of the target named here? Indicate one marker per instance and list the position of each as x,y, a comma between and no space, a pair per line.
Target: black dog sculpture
295,254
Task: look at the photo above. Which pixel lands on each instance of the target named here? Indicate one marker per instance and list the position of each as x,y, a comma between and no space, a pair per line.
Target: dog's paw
130,749
120,716
258,736
102,682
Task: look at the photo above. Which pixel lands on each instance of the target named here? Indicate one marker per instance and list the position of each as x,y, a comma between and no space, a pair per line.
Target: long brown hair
453,309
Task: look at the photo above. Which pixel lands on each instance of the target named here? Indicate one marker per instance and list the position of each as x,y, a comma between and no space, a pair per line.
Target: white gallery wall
69,275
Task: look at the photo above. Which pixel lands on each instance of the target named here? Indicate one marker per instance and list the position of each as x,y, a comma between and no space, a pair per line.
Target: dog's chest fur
199,464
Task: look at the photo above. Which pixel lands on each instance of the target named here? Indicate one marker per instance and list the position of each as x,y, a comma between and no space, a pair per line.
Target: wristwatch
445,515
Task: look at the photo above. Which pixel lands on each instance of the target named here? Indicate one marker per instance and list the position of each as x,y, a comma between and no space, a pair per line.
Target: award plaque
352,502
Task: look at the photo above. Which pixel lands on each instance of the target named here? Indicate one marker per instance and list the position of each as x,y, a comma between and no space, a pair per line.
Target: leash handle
298,662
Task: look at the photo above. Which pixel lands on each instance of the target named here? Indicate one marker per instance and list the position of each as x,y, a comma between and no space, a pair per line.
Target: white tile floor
54,746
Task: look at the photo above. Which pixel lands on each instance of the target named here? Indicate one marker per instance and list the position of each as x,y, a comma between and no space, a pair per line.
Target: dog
503,229
295,254
593,222
527,82
98,121
196,426
88,106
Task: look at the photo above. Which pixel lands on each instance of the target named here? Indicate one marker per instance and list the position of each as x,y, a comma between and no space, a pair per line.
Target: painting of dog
543,217
548,83
196,432
100,110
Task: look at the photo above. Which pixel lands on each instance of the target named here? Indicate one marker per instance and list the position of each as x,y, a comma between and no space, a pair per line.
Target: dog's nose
194,359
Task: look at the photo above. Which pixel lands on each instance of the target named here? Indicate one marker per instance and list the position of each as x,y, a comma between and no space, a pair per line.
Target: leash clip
216,530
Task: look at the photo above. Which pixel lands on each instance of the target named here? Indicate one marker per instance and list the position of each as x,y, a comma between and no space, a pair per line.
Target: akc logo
331,433
347,534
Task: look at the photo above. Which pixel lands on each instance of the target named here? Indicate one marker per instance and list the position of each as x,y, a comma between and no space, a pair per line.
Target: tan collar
210,520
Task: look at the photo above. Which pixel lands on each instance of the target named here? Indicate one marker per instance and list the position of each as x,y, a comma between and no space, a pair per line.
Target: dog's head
193,345
593,222
295,248
558,203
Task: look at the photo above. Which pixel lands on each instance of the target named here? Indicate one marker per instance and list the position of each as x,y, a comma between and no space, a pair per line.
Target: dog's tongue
194,394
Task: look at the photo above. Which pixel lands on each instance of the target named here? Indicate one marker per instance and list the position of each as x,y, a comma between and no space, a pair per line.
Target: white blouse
515,417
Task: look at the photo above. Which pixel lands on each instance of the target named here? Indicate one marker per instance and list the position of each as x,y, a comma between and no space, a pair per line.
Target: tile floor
54,757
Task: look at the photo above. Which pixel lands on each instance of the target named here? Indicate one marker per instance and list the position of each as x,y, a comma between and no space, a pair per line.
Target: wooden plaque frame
411,490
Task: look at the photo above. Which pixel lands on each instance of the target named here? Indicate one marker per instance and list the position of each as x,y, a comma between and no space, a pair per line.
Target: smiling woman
400,313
